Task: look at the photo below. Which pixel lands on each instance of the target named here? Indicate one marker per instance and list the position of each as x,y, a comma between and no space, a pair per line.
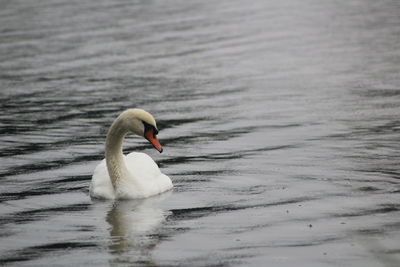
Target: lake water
280,122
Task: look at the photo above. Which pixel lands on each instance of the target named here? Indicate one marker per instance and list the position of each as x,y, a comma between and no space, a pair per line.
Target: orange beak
150,135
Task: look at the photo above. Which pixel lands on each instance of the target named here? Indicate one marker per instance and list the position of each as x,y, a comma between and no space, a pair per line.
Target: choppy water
280,122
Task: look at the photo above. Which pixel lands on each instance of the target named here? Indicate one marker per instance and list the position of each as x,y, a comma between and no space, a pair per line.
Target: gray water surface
280,122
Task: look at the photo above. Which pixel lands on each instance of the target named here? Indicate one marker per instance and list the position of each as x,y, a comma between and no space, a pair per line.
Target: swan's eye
149,127
155,130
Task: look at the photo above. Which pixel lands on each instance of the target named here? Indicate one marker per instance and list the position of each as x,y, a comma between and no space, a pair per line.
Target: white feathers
133,176
145,179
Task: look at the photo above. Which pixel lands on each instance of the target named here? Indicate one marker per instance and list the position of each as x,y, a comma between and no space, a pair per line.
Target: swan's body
135,175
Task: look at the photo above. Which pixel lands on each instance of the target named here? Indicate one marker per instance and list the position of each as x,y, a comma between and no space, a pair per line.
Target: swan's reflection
134,225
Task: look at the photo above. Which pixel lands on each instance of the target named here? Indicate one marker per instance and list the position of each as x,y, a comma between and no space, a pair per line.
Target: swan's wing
145,170
141,166
145,179
101,186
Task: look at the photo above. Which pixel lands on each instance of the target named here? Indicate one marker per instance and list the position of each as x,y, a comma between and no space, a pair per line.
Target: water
280,122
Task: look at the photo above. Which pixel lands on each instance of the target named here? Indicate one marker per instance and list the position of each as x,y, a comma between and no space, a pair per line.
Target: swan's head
142,123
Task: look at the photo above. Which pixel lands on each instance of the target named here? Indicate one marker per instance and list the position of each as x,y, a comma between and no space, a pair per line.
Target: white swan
135,175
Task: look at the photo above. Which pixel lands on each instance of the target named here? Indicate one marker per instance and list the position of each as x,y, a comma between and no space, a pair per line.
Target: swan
135,175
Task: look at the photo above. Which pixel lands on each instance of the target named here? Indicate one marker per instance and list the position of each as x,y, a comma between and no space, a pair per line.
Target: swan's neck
114,156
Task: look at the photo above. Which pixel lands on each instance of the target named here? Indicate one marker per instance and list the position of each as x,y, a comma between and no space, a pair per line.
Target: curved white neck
114,156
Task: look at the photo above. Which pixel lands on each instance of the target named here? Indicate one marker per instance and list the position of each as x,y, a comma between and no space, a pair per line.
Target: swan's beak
150,135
